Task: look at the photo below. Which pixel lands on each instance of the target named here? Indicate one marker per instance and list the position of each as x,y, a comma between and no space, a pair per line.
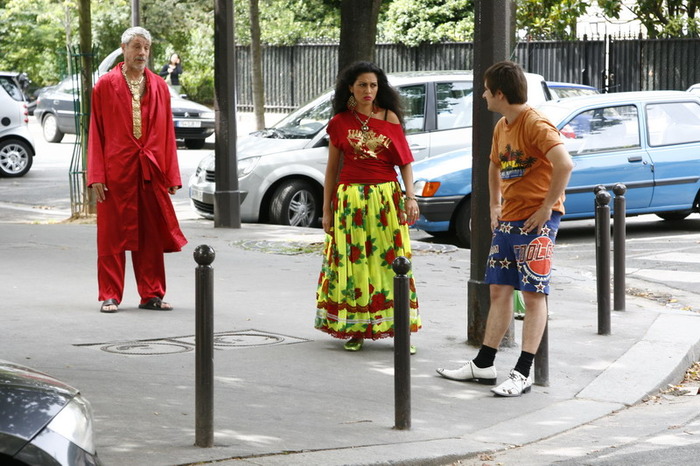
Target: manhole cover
147,348
249,338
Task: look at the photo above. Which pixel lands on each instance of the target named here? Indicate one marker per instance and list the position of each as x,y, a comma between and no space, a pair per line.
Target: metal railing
293,75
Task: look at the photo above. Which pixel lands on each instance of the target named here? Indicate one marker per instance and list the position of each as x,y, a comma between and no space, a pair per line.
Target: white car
281,169
16,143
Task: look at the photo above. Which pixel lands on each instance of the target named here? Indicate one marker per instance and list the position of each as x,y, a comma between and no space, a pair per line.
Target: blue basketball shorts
522,260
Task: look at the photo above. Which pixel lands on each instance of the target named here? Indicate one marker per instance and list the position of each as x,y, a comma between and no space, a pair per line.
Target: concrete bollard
204,346
402,344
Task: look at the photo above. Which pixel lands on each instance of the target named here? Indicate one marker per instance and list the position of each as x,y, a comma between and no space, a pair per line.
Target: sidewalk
286,393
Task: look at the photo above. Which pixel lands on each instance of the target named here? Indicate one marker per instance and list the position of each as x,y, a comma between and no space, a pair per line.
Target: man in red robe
132,167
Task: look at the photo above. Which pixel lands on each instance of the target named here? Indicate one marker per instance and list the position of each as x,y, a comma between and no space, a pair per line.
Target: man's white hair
133,32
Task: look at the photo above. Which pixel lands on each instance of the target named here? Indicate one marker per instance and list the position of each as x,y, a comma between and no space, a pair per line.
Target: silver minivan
16,143
281,169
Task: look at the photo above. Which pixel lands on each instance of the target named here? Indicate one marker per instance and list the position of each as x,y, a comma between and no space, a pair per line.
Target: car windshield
9,85
564,92
304,123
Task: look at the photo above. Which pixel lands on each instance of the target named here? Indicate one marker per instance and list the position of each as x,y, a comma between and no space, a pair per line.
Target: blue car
649,141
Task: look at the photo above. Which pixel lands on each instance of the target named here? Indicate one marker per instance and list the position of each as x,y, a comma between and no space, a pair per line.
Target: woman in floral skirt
365,214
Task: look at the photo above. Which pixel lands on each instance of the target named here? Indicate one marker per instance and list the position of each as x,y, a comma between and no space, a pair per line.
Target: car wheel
462,223
194,144
295,203
674,216
49,126
15,158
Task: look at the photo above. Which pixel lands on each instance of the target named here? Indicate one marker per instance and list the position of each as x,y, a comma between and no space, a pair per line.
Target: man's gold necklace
134,86
136,89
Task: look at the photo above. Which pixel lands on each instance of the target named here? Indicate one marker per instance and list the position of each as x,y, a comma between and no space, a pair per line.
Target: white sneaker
515,385
470,372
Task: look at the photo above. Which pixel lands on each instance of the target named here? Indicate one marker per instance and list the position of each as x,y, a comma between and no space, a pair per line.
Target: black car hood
28,401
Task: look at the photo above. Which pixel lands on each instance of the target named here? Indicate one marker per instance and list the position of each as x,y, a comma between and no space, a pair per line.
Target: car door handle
415,147
634,158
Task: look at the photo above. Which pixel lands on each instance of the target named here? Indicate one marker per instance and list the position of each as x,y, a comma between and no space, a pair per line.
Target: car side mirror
324,141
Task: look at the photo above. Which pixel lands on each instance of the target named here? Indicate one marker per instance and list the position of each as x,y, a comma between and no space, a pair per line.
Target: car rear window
454,105
11,88
413,99
673,123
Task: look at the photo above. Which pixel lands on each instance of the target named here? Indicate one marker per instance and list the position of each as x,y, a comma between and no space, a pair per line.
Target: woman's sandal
354,344
156,304
109,306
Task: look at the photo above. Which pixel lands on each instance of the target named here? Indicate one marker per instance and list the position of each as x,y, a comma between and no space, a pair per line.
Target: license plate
188,124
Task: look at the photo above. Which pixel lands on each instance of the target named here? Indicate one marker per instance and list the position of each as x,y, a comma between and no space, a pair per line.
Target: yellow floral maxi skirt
355,295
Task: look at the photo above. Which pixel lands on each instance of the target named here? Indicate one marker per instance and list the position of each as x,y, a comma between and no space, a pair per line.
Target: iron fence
294,75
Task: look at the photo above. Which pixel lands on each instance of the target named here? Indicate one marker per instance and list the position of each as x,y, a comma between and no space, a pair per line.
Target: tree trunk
256,58
358,31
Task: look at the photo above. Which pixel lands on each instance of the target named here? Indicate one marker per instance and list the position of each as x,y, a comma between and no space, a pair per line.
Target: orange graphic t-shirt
519,151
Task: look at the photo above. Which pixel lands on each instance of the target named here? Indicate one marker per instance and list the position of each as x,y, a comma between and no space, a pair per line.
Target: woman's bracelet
410,198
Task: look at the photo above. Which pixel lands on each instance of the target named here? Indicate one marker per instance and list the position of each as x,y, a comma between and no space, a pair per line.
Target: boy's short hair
509,78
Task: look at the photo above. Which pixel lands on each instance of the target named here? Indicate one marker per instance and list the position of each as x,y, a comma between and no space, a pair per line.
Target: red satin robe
123,163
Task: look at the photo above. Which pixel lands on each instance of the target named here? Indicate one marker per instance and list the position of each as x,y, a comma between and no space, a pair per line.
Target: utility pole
494,40
135,13
227,197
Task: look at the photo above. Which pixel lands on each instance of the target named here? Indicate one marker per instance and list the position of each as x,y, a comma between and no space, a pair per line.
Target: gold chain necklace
134,86
136,90
364,125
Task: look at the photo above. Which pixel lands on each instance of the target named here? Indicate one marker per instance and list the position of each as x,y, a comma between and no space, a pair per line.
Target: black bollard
402,345
602,238
542,355
619,233
204,346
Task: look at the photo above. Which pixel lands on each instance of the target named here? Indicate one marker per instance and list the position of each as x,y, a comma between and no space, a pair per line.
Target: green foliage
34,33
414,22
289,22
198,77
33,36
547,19
661,18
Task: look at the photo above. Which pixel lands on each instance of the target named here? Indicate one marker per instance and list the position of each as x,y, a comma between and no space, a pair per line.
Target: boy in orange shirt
528,174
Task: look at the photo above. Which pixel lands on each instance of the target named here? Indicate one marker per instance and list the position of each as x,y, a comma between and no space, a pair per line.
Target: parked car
43,421
649,141
281,169
561,90
55,111
695,89
16,143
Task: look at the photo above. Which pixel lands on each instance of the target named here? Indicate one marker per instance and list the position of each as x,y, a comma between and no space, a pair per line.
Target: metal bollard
619,233
402,345
602,236
542,355
204,346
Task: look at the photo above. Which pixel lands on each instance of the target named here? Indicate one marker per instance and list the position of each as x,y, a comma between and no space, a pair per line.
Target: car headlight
207,116
74,422
426,188
245,166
